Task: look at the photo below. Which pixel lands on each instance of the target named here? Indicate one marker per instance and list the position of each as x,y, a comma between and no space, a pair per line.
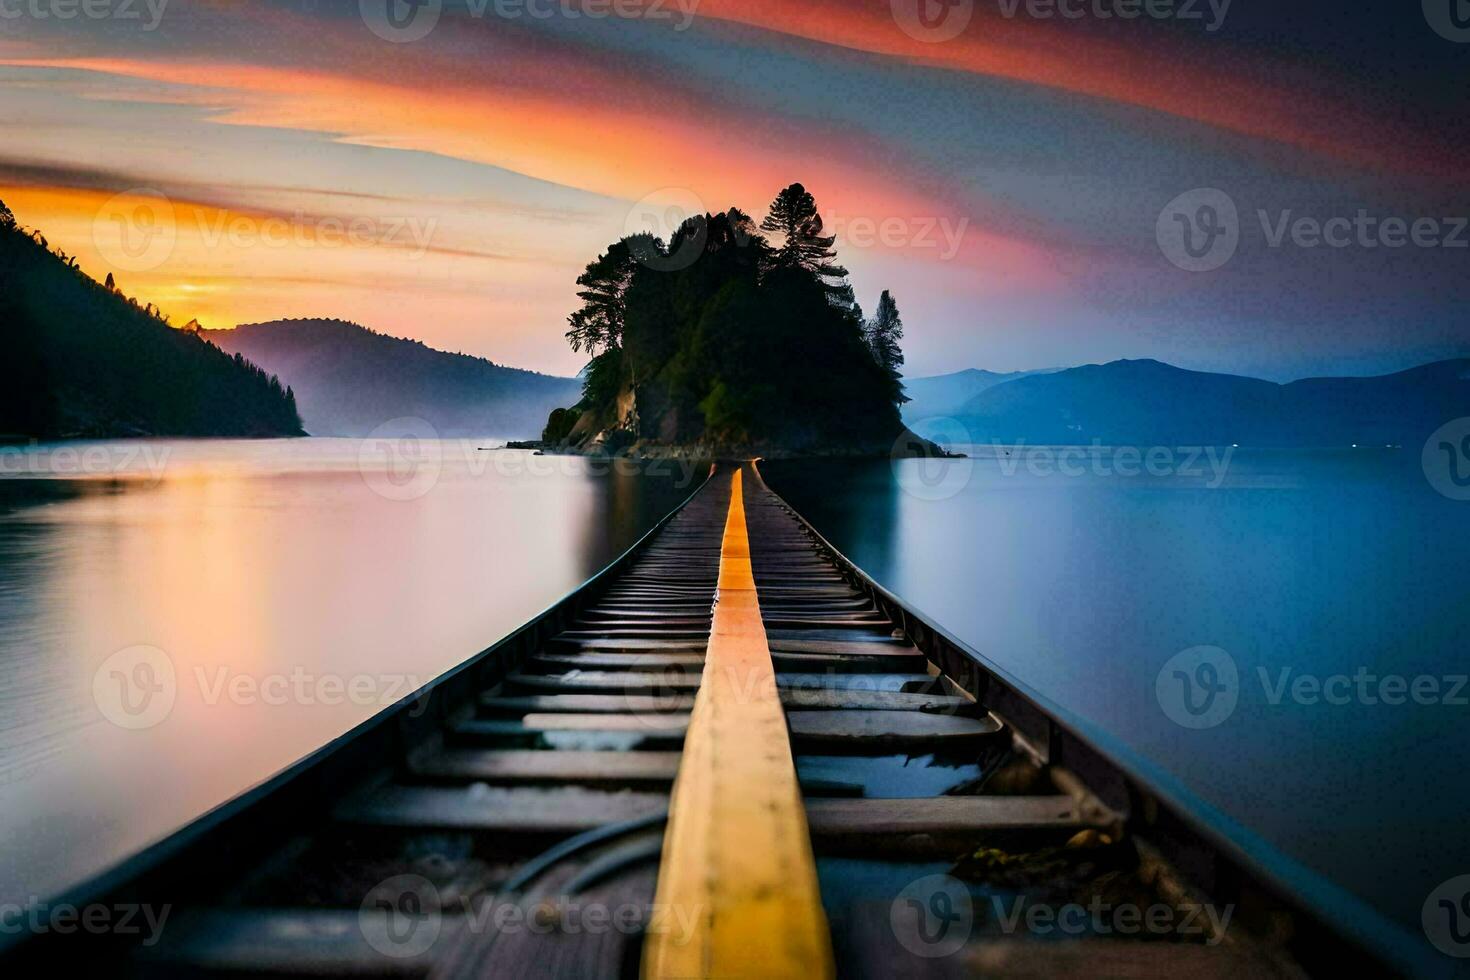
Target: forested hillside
83,359
349,380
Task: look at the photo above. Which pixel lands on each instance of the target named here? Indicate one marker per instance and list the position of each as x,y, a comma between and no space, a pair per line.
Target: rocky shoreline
907,446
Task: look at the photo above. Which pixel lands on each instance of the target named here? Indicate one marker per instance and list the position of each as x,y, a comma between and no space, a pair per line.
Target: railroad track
728,755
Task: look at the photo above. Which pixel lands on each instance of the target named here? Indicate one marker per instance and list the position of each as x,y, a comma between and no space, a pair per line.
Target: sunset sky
306,158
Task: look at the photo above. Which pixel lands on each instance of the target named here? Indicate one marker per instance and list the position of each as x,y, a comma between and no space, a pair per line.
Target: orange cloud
640,140
1234,93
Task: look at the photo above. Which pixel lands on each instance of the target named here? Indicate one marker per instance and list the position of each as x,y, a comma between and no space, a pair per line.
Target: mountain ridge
944,394
349,379
1147,401
85,360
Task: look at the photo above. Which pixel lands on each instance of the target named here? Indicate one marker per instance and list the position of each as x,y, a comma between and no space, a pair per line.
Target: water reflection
1318,564
283,597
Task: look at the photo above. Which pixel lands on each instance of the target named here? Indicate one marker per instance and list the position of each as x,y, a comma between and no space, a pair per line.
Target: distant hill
84,360
349,380
1147,402
945,394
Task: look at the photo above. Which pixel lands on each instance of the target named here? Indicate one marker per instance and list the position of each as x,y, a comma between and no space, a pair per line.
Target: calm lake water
289,589
283,591
1087,587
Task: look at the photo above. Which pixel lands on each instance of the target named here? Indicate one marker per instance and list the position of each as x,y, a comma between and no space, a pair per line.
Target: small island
733,339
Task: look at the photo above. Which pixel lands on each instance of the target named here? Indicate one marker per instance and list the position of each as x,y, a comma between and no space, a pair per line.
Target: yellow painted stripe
737,858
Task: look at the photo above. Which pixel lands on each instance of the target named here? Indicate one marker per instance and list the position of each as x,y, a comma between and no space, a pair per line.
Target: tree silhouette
598,326
7,219
110,284
795,218
559,424
720,340
884,332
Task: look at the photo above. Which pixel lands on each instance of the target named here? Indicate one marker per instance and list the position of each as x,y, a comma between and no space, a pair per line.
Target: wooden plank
871,701
737,847
579,722
637,633
824,700
584,703
940,815
853,681
532,765
562,662
878,948
782,639
910,729
295,942
563,940
808,663
635,645
871,646
520,809
631,681
1110,958
637,681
